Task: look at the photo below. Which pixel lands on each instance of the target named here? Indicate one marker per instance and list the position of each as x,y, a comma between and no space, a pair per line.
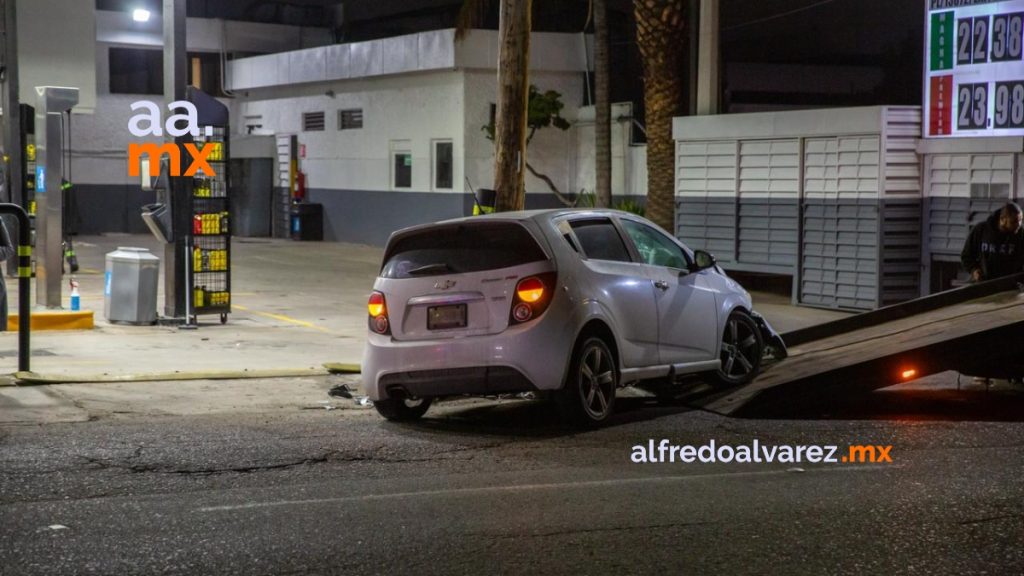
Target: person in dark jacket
995,247
6,251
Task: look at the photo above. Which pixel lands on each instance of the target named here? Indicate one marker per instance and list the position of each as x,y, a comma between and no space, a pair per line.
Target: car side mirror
702,261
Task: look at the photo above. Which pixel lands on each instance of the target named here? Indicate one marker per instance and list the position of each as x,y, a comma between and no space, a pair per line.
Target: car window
600,240
459,248
654,247
566,231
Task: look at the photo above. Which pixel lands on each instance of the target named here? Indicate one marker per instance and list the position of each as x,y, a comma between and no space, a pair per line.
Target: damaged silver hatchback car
572,302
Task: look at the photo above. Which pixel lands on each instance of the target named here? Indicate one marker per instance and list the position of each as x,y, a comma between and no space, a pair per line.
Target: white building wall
629,161
402,110
552,152
100,140
56,43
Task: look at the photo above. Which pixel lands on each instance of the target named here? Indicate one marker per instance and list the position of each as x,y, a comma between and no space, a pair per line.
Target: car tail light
530,290
532,297
378,309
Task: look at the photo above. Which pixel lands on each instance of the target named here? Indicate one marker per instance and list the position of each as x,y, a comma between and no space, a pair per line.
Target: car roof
539,216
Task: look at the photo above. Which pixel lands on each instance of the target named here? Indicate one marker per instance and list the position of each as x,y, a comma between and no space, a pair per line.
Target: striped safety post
24,280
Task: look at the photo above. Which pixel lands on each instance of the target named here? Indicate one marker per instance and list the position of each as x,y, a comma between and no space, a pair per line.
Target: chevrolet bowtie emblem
444,285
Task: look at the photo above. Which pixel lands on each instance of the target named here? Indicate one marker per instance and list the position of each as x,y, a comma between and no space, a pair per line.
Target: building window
312,121
141,71
350,119
204,72
401,164
136,71
402,169
443,165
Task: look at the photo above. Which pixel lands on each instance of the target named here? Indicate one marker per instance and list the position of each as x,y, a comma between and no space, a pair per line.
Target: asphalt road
498,487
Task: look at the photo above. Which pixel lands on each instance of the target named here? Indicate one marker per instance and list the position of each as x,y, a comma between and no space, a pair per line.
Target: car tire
402,409
588,397
742,347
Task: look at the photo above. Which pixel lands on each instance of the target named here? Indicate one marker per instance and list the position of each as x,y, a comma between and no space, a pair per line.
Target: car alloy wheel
594,381
741,350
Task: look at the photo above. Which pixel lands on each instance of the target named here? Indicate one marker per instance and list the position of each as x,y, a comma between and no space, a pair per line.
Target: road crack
329,457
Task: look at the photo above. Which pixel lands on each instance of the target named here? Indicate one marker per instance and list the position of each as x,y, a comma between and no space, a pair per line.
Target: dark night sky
836,30
881,34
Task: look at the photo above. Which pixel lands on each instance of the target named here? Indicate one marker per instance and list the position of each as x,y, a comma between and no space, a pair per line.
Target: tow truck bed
976,330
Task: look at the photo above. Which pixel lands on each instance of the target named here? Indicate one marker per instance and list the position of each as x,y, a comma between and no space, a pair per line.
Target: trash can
307,221
129,293
484,201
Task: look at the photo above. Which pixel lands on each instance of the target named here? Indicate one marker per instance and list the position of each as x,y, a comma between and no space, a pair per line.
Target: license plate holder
446,317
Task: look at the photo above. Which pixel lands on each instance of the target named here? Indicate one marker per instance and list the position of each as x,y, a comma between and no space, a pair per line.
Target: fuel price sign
974,71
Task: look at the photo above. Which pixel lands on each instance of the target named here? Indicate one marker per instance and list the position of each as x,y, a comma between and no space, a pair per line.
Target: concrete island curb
34,379
37,379
343,368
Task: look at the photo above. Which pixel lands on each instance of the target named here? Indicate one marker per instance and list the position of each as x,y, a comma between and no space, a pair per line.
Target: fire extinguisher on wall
300,187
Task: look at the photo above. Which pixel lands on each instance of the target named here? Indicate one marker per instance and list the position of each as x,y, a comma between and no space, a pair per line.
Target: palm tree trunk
510,119
602,107
659,35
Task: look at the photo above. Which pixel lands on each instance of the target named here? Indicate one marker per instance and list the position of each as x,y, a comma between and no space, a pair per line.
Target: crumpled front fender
774,347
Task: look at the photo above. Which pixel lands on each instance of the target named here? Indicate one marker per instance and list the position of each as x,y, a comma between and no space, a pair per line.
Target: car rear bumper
475,380
522,358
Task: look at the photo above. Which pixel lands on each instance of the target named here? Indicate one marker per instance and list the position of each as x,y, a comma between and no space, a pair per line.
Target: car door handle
661,285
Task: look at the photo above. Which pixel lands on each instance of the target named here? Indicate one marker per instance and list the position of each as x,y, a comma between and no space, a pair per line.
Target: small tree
544,109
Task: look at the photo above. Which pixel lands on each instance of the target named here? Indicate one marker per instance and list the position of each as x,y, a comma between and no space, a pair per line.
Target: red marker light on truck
909,374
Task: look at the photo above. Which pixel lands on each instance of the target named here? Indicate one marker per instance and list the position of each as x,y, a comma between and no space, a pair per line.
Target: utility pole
510,119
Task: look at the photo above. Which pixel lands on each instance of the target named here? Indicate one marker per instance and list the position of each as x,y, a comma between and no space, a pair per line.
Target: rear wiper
431,268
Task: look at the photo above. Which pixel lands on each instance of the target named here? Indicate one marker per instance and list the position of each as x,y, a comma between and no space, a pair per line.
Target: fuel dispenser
52,103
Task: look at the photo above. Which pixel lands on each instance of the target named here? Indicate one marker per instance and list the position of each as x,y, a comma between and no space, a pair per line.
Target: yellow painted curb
32,378
55,320
340,368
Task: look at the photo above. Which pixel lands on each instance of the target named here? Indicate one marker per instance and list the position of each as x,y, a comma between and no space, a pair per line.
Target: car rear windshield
460,248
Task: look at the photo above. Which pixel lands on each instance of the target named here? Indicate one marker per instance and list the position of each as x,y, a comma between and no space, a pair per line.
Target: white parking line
534,487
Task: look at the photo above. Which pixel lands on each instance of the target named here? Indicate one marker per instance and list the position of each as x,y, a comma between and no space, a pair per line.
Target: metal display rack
209,265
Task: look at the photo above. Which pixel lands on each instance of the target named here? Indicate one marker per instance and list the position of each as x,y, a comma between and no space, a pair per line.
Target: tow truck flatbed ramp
977,330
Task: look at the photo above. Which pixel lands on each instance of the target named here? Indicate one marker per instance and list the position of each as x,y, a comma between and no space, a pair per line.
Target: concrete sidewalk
295,307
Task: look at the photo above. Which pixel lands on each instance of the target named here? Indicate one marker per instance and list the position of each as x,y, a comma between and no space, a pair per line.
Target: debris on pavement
340,391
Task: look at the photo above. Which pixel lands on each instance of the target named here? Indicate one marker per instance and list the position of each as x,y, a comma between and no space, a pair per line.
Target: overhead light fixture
140,15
